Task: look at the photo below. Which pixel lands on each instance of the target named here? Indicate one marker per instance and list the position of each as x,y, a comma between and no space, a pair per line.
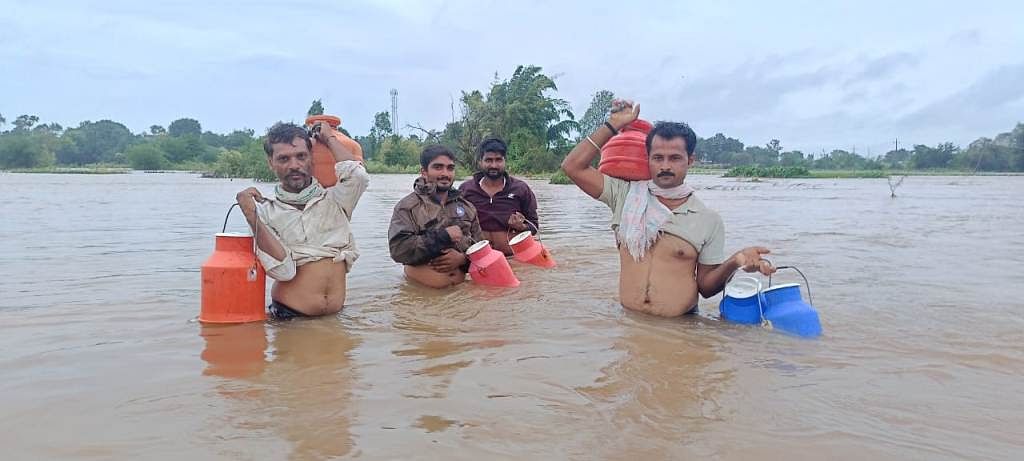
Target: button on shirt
318,231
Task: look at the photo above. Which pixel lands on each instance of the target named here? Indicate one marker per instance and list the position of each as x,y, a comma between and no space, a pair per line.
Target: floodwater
921,298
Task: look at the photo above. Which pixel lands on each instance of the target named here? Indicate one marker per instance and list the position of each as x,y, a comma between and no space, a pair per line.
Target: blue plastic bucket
788,312
742,302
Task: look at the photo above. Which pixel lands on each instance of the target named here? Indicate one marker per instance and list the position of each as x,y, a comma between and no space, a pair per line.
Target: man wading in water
432,228
671,246
303,232
505,204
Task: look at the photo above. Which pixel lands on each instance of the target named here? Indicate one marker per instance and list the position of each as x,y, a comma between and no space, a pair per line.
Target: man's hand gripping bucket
777,307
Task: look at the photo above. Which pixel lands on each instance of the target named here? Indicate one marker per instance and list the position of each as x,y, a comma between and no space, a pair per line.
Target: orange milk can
234,283
624,156
323,159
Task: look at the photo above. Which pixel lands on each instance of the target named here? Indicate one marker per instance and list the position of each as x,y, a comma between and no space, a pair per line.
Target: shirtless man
432,227
671,247
505,204
302,232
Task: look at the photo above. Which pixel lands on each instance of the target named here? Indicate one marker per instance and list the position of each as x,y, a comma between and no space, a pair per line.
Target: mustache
666,173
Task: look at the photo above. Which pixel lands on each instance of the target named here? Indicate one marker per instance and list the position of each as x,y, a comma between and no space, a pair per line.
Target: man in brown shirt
432,228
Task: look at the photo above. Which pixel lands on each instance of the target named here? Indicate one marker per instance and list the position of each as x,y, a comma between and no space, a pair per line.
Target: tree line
523,109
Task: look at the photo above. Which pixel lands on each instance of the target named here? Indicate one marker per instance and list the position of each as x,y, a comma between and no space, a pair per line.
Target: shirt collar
691,205
289,205
504,181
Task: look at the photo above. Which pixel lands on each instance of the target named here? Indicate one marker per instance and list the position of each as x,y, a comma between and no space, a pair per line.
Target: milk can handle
254,232
535,229
224,228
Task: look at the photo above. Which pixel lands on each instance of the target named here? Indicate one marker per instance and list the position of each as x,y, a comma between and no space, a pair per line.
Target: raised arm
325,134
578,164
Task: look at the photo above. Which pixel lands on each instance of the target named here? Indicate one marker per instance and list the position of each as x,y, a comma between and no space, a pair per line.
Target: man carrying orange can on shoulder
302,233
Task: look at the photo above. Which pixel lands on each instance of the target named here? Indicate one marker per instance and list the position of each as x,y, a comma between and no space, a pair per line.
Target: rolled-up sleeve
281,270
352,182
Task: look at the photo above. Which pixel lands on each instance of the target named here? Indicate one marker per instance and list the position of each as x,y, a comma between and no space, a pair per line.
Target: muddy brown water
921,297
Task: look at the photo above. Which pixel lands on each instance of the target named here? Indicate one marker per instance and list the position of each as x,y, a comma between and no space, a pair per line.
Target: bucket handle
536,230
807,284
760,307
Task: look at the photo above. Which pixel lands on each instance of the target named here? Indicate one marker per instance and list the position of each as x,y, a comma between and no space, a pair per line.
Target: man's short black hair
434,151
285,133
495,145
671,130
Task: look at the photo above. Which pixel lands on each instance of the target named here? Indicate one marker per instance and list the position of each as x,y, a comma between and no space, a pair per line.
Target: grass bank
74,170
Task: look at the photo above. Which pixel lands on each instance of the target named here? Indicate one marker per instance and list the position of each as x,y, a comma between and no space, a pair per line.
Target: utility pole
394,110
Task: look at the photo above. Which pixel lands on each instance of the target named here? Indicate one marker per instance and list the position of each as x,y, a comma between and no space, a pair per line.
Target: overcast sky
814,76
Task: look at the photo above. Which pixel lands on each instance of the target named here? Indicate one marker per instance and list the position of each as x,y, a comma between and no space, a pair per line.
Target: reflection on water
234,351
919,297
309,384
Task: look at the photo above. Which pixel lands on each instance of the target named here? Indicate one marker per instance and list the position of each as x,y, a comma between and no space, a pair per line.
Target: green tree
51,128
896,159
1003,153
762,155
157,130
182,149
791,158
23,150
185,127
25,122
316,108
718,149
238,138
925,157
396,150
522,110
741,158
145,156
842,160
380,130
468,132
230,164
94,142
596,113
381,125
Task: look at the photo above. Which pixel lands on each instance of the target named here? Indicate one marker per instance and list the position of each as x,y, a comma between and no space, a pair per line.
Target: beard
296,180
493,173
446,186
